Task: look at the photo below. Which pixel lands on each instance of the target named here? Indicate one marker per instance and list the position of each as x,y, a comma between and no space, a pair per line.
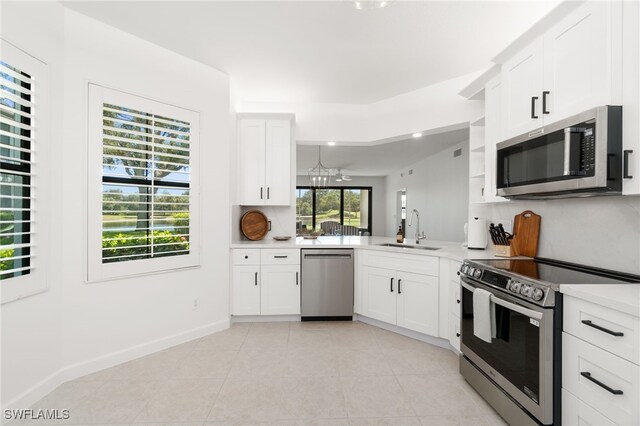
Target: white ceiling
377,160
327,51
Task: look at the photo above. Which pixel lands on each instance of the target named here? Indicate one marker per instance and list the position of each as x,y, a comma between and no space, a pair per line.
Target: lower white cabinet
600,369
265,282
405,299
280,293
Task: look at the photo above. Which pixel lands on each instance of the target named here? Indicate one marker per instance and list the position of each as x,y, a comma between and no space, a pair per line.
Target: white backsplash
601,231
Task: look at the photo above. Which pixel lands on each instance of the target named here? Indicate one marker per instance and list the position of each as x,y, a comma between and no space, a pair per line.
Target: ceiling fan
340,177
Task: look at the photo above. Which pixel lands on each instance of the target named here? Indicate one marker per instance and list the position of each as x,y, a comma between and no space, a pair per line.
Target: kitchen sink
408,246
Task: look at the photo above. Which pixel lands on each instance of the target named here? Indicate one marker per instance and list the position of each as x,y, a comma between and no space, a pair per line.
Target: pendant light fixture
319,175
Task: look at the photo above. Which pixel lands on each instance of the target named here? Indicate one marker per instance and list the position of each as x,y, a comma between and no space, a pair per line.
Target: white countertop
621,297
446,249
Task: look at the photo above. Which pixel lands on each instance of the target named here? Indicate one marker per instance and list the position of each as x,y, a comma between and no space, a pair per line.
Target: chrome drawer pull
598,327
587,376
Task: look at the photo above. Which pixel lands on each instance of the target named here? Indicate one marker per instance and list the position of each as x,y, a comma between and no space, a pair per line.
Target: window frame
98,271
36,281
342,189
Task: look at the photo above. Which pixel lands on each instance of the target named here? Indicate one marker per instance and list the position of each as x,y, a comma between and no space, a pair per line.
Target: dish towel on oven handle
484,315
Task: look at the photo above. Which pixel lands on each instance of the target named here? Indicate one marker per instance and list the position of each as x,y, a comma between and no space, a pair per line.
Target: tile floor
329,373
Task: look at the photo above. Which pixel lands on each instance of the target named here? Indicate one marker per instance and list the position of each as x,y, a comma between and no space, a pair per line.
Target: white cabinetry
600,364
265,282
264,162
400,289
493,135
575,65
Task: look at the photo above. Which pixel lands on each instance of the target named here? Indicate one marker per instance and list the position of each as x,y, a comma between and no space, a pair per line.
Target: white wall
31,342
438,189
92,326
601,231
379,198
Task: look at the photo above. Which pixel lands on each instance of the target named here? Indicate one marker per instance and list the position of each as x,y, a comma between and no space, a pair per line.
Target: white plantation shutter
148,195
23,180
16,156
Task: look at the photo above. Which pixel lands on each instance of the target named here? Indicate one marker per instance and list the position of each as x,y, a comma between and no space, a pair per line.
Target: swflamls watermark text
39,414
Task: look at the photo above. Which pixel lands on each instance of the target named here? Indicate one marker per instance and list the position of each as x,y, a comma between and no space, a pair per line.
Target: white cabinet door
379,294
579,61
280,293
454,331
631,94
417,302
251,162
245,290
278,162
493,135
522,81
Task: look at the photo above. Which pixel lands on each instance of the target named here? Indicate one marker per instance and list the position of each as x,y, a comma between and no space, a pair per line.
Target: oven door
520,357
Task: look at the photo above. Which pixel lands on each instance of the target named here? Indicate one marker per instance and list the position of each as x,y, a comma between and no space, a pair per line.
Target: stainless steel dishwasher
327,284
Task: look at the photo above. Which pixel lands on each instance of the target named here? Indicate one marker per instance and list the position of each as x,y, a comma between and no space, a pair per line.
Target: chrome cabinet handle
588,376
399,281
601,328
256,279
391,285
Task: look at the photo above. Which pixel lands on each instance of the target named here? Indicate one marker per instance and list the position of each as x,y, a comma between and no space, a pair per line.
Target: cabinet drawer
587,371
582,319
412,263
246,256
576,412
280,257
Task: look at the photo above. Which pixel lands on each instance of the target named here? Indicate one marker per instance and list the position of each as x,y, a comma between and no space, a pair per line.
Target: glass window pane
304,211
356,211
328,211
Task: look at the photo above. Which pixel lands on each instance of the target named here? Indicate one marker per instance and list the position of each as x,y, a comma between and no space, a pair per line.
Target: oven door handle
516,308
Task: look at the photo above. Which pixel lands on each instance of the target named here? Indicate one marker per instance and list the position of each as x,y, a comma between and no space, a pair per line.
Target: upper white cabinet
522,86
264,162
575,65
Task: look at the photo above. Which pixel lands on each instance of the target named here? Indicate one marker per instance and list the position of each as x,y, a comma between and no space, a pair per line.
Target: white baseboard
436,341
70,372
265,318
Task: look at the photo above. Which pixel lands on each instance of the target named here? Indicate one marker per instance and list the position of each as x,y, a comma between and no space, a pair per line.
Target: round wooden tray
254,225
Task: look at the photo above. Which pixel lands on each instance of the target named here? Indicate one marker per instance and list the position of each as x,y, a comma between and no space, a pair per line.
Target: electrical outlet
195,304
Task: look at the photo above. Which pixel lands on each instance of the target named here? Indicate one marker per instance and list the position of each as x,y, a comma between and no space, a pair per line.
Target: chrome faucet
418,236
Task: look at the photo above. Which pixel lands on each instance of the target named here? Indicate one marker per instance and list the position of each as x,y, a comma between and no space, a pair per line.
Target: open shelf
477,122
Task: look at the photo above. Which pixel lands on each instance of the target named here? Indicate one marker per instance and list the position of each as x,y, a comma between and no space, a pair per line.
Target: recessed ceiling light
331,143
370,4
417,135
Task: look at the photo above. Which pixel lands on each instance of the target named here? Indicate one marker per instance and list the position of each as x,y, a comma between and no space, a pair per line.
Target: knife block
503,251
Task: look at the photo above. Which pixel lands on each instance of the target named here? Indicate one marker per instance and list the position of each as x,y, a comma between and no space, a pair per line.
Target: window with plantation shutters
23,174
148,188
15,171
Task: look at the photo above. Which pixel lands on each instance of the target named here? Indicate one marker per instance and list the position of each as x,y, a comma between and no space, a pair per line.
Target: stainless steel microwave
576,157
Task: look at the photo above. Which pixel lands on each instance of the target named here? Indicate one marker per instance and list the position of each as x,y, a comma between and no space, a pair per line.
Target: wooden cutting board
526,230
254,225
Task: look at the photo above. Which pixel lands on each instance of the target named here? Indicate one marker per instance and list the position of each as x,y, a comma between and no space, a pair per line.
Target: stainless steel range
511,329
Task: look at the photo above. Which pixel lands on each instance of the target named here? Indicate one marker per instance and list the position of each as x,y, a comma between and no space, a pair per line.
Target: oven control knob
464,268
514,286
471,271
537,294
477,273
525,290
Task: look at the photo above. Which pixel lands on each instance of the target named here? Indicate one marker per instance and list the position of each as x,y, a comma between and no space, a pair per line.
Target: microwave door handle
572,140
512,306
